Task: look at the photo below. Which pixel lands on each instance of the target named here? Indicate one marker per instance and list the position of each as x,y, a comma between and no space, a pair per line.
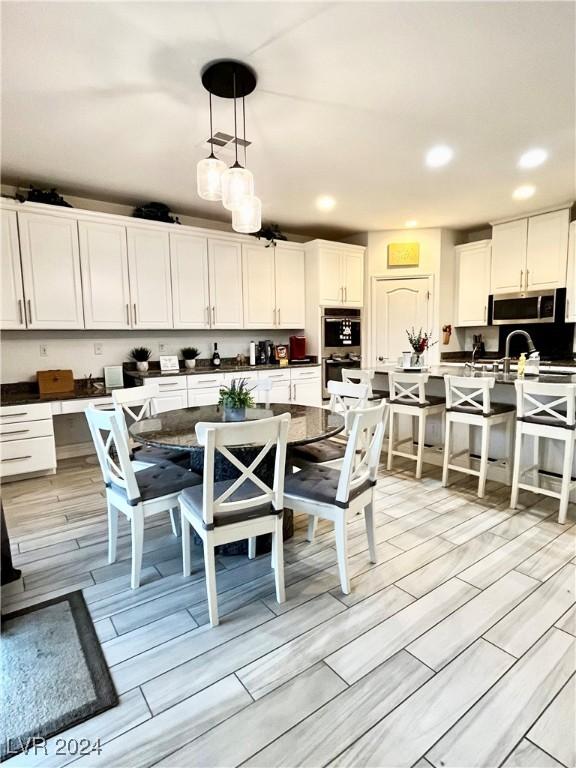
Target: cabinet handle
16,432
278,316
7,415
17,458
485,312
527,276
135,320
213,315
29,311
128,313
20,311
208,316
345,293
521,278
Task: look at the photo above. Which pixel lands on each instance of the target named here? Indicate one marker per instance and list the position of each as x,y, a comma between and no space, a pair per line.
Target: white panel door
509,256
571,277
225,263
473,284
398,306
51,270
258,286
331,282
547,250
149,265
12,309
290,287
353,270
190,292
105,287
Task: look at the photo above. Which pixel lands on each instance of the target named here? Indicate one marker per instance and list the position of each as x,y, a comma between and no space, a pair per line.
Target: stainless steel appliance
341,343
529,307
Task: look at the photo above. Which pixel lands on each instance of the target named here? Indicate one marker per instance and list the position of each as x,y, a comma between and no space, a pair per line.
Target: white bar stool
545,411
468,402
408,397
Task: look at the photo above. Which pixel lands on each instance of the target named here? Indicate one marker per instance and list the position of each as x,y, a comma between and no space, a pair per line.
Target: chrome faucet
531,348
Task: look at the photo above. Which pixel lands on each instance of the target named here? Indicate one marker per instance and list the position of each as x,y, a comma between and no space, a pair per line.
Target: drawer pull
169,384
7,415
18,458
16,432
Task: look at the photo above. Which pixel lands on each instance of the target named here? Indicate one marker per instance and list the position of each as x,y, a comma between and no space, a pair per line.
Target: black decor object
155,212
271,233
46,196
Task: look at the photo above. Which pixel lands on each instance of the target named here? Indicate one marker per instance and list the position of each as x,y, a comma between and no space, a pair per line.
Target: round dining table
177,430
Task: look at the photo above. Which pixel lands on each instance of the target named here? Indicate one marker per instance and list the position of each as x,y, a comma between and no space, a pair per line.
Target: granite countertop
26,392
205,369
439,371
489,357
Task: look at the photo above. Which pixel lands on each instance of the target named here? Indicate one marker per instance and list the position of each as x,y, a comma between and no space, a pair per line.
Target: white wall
20,350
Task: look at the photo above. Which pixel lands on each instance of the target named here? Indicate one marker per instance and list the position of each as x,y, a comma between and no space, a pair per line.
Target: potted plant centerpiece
141,355
189,355
419,342
235,399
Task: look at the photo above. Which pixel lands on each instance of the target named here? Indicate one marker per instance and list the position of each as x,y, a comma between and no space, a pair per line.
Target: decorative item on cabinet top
155,212
46,196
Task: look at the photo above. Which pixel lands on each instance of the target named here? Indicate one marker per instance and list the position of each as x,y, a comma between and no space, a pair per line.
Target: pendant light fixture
209,171
233,80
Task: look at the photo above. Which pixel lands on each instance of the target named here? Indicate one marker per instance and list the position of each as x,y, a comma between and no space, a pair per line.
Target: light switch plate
98,349
43,350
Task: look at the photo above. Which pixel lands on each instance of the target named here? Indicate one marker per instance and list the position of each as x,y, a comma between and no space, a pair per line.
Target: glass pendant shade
247,217
237,184
209,174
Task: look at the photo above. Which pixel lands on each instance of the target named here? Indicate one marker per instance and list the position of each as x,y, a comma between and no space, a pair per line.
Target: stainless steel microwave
529,307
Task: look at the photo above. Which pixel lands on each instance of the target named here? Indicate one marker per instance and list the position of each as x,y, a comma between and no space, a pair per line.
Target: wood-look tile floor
457,649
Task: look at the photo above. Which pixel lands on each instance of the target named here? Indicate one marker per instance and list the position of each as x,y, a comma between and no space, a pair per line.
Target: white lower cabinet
172,393
26,439
307,386
204,388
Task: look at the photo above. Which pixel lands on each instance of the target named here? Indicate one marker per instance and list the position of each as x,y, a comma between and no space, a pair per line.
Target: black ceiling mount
218,78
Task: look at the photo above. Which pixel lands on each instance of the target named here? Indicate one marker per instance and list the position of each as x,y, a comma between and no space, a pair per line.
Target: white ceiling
105,100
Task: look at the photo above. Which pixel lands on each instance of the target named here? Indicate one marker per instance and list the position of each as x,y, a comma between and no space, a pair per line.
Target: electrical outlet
162,349
43,350
98,349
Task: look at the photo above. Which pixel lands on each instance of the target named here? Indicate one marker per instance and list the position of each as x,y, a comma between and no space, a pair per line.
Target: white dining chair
337,495
232,510
139,495
358,376
545,412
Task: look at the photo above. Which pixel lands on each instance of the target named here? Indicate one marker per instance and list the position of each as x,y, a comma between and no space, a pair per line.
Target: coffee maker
265,353
297,348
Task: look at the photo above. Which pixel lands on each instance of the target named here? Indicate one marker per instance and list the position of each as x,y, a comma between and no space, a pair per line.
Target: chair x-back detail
545,411
338,495
358,376
243,508
468,402
137,495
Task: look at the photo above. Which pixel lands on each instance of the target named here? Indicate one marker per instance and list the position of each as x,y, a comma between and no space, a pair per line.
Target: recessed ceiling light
411,223
533,158
523,192
325,203
439,156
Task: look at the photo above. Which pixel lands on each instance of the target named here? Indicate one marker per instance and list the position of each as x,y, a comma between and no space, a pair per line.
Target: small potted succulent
141,355
189,354
235,399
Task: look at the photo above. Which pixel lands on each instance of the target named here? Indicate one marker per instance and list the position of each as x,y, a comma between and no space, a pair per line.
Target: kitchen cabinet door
473,263
571,277
290,287
105,286
509,243
353,278
171,401
331,278
12,309
190,291
307,393
547,250
203,396
225,265
149,265
258,283
51,270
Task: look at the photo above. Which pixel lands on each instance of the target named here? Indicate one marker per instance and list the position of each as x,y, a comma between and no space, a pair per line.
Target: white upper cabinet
105,287
509,256
190,291
258,286
571,277
225,259
331,281
353,278
290,287
12,308
547,250
149,267
530,254
335,274
51,270
472,283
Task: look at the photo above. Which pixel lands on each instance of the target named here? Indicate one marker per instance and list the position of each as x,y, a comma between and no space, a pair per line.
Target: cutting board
50,382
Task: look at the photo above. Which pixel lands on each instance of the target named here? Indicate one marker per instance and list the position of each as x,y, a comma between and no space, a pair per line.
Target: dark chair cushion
192,498
430,400
547,421
379,394
320,484
495,409
161,480
152,455
319,452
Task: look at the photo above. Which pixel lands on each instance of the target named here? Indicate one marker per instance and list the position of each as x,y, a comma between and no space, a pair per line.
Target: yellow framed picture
403,254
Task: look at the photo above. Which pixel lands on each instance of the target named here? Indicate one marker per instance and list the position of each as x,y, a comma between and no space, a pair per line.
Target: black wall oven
341,342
